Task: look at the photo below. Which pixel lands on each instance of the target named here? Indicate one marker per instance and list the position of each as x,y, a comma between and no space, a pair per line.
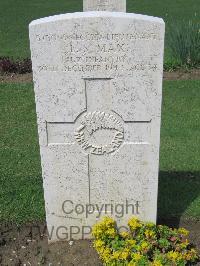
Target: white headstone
104,5
98,90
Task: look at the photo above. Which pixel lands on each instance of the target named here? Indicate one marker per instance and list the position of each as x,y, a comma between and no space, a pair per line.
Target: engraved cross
99,130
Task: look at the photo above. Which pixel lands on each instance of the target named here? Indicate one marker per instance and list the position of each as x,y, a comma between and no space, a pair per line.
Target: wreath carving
98,121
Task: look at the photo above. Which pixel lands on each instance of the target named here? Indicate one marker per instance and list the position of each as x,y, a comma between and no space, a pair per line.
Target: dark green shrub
8,65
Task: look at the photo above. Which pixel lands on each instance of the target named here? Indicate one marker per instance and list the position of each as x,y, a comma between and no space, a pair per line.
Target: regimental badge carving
100,133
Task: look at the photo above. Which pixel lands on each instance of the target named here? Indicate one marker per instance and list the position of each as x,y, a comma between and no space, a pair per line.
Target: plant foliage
8,65
143,244
184,43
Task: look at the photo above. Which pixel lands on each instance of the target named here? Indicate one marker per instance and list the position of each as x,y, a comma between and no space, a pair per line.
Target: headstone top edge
109,5
95,14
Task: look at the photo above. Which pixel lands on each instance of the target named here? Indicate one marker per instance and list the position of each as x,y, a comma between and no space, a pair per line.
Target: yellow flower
174,256
121,255
184,244
132,264
108,222
183,231
145,246
111,232
157,263
149,233
136,256
124,234
100,250
99,244
104,228
134,223
106,255
125,254
116,255
190,255
150,225
130,243
97,232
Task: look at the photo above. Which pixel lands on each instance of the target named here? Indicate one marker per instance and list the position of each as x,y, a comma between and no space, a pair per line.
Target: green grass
21,193
180,133
179,183
15,15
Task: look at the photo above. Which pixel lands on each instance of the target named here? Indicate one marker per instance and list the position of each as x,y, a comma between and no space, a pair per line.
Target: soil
182,75
27,245
175,75
16,78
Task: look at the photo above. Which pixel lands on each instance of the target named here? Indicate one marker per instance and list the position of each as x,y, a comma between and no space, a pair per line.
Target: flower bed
143,244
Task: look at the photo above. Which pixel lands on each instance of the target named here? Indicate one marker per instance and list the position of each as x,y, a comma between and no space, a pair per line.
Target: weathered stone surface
98,90
104,5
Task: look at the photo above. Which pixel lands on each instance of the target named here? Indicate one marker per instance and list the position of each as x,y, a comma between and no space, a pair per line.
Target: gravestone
98,89
104,5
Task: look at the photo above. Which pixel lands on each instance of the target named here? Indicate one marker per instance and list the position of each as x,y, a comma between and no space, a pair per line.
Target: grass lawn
179,183
21,193
15,15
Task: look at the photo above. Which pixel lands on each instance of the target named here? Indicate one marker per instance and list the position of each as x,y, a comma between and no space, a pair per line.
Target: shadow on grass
178,196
